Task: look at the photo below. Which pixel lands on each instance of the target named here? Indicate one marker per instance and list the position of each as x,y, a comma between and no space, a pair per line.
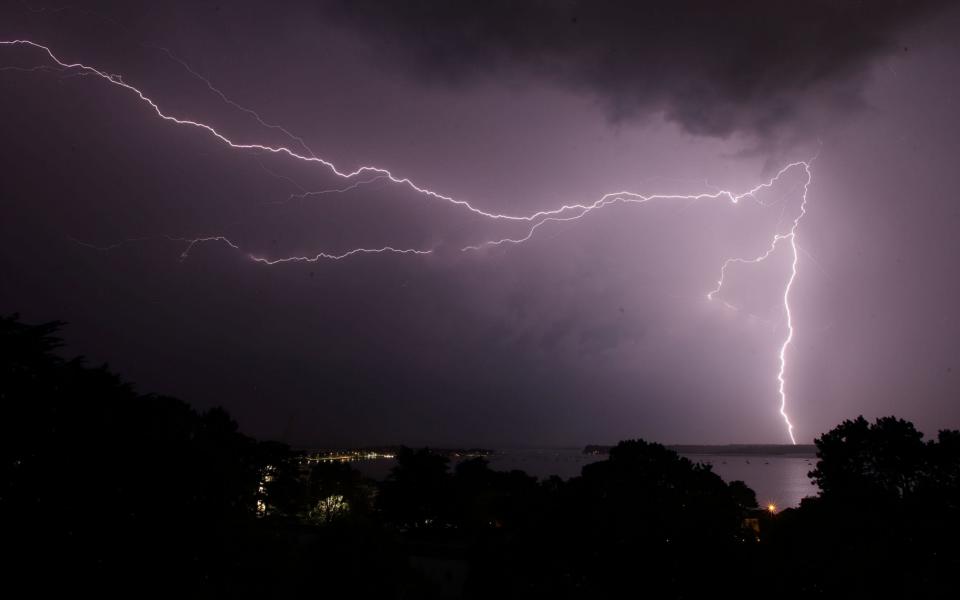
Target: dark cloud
715,68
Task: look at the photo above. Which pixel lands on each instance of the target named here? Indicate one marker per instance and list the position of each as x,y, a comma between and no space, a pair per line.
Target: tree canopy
114,490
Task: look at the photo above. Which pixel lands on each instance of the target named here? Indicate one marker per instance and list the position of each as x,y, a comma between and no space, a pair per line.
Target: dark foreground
108,491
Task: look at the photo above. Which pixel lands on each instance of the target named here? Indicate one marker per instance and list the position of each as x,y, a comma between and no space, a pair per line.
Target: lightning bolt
535,220
790,238
227,100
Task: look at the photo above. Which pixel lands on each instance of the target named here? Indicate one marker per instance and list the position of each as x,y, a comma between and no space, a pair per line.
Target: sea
776,474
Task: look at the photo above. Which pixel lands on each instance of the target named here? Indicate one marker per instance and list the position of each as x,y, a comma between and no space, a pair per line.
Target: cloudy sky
594,330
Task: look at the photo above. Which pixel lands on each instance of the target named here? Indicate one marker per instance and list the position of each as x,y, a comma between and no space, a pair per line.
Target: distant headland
799,450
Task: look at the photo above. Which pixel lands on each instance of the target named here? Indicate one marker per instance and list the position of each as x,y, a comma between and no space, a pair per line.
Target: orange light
771,508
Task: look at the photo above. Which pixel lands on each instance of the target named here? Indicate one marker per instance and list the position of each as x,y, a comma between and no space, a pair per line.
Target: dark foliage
103,489
637,521
106,490
886,521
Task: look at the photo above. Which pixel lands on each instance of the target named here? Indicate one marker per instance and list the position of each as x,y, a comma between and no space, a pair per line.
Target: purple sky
594,330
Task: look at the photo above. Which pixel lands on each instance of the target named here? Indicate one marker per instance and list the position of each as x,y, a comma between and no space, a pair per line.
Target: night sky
595,329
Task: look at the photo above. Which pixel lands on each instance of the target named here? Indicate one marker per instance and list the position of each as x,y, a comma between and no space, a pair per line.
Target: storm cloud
715,68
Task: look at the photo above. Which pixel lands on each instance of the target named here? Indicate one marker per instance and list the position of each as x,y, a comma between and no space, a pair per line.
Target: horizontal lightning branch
564,213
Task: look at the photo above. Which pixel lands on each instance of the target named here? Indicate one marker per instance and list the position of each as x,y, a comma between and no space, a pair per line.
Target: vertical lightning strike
564,213
781,374
791,238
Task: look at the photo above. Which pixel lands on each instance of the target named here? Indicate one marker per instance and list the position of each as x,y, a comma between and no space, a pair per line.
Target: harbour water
778,480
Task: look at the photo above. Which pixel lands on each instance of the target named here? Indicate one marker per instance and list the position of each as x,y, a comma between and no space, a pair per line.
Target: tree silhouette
103,488
337,491
886,519
106,490
866,463
636,521
417,494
